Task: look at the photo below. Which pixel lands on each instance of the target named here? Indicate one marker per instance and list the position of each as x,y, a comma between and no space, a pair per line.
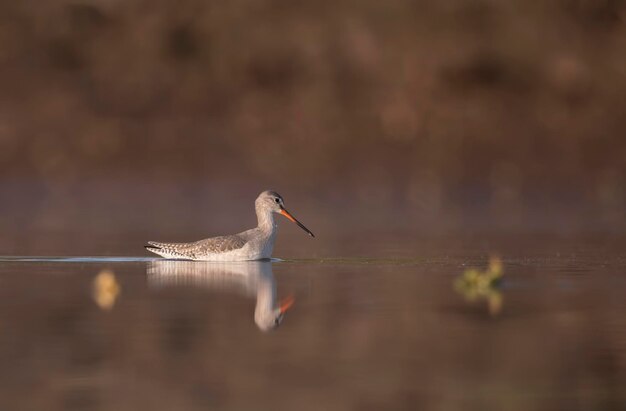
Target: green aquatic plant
477,285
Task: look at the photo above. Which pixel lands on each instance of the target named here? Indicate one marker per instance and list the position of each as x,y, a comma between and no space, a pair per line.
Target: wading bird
254,244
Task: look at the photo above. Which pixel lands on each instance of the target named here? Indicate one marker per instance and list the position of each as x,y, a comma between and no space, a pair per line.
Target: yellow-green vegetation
106,289
476,285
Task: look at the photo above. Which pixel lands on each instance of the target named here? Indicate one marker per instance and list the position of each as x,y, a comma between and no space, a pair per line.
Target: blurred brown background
146,117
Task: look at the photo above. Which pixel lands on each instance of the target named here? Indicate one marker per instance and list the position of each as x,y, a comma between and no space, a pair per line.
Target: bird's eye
277,200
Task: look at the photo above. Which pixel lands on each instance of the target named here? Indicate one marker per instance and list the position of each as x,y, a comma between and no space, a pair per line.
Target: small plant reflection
105,289
253,278
477,285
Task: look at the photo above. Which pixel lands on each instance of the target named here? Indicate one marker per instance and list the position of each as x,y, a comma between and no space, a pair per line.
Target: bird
250,278
254,244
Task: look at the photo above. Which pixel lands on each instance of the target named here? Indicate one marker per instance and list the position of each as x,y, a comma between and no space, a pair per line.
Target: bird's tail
166,250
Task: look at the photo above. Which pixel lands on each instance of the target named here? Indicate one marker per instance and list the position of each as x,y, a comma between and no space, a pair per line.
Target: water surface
384,332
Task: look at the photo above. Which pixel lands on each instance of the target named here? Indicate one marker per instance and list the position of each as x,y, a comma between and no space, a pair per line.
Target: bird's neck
266,220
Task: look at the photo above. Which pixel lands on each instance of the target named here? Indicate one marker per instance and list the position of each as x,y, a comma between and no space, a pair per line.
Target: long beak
292,218
286,303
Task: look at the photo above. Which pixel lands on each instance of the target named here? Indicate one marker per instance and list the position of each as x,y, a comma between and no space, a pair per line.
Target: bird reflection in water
252,278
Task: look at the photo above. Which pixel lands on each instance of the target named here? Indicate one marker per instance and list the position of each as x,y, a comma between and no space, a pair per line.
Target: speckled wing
217,245
198,249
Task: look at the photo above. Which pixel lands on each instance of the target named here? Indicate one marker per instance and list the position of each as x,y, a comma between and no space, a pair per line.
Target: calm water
385,332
